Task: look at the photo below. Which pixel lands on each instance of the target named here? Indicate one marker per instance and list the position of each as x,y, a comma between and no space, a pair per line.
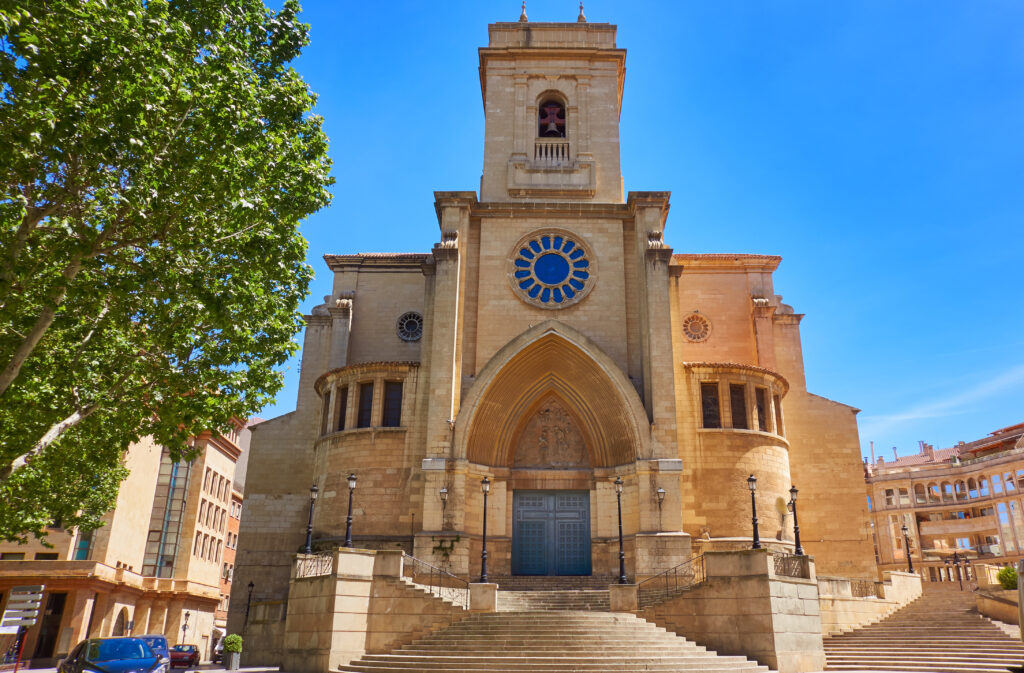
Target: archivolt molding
552,358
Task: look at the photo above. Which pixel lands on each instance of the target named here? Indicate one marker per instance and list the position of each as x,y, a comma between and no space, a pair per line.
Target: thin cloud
957,403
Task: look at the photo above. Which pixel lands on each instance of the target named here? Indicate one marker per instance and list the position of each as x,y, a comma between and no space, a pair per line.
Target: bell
552,128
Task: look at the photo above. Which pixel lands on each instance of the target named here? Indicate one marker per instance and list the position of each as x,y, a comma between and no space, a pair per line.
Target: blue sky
878,147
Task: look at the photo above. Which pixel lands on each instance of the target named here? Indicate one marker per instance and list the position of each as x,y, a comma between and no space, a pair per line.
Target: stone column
341,328
140,616
157,617
445,376
650,210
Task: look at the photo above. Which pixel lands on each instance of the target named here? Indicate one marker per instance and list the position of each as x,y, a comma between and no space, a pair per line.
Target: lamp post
248,602
752,485
906,547
660,493
184,628
348,521
622,553
485,488
799,551
309,525
959,562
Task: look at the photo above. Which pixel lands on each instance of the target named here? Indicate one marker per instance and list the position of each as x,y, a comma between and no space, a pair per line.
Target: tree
156,158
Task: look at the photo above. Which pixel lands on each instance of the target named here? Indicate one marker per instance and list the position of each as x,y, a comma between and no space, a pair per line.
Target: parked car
184,655
158,643
112,655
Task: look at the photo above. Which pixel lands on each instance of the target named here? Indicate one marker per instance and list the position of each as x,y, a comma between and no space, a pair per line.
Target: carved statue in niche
551,439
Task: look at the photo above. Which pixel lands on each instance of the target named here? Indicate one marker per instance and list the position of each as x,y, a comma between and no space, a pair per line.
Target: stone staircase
553,582
552,641
526,601
940,632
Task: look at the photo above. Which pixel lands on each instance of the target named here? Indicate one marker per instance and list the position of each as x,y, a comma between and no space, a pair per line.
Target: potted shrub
233,650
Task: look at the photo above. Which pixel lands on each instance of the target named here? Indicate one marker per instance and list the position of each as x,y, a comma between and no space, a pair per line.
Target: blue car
158,643
112,655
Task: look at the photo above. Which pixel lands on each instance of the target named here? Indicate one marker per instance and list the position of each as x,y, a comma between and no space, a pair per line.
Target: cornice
383,365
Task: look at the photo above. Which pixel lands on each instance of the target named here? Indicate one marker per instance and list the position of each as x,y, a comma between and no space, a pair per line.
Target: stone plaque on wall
551,439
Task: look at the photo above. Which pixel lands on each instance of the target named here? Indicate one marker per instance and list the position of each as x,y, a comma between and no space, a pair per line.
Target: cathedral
552,372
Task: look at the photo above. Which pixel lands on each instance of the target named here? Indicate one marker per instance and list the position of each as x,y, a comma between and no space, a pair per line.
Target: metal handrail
436,580
671,582
314,565
792,565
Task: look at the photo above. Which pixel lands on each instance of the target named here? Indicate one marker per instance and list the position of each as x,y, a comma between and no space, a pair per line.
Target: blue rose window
551,269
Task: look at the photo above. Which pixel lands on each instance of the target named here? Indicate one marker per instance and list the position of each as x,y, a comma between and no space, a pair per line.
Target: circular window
696,327
551,269
410,326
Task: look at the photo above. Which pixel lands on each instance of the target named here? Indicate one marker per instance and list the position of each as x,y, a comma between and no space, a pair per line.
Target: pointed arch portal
555,365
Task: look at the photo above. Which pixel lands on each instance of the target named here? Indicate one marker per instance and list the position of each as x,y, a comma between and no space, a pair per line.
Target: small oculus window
410,326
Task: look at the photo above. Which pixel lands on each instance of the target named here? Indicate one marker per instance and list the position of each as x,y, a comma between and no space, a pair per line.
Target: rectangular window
341,406
761,399
904,497
738,402
12,556
325,420
365,405
709,405
890,497
46,556
983,487
1008,477
82,546
778,414
997,484
392,404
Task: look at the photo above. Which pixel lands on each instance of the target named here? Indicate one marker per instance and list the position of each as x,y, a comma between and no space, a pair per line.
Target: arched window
972,488
919,496
550,119
933,493
947,491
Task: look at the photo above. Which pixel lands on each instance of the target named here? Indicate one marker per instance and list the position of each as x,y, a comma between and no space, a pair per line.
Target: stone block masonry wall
362,606
744,608
841,611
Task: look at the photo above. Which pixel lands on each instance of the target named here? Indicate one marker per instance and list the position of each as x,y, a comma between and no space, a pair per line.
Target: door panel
551,533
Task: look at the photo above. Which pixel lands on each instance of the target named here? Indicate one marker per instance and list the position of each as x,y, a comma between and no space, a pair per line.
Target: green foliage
1007,578
233,643
156,160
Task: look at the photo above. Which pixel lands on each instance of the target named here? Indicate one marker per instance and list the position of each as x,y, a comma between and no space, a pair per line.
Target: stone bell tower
552,95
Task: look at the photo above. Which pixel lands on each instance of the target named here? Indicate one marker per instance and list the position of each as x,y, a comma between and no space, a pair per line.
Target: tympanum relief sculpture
551,439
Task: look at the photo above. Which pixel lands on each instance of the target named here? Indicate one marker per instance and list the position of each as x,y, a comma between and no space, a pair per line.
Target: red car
184,655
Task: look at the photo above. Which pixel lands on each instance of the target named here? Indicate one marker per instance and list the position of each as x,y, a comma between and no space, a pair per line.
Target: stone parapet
744,607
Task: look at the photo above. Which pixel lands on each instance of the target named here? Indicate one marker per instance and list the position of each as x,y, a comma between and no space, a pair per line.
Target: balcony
552,152
959,526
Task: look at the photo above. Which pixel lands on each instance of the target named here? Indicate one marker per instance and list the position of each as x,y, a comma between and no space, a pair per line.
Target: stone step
552,642
940,632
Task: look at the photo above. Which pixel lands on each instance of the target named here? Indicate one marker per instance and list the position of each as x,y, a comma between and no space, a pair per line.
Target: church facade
552,342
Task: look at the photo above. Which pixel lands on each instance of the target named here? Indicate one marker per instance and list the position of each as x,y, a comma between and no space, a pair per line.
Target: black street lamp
348,521
309,525
622,553
184,628
248,602
906,547
799,551
959,562
485,488
752,485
